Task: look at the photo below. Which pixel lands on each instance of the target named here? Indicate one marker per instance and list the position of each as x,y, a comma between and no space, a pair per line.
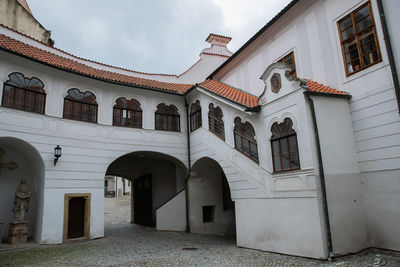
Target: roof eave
308,92
245,108
89,76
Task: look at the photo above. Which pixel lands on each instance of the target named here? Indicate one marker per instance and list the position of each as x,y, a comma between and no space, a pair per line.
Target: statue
18,229
21,201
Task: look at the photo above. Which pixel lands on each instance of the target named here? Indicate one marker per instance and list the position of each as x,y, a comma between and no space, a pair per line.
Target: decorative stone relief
276,83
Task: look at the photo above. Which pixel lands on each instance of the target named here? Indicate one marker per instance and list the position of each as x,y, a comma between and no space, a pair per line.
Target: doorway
143,200
76,216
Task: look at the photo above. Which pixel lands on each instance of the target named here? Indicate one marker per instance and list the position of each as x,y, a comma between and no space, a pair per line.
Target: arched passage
30,167
158,183
211,209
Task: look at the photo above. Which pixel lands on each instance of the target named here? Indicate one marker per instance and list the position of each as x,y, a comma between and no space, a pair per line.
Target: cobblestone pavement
127,244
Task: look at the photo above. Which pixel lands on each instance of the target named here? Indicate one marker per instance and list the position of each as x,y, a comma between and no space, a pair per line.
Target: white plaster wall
343,183
199,71
382,197
172,215
289,226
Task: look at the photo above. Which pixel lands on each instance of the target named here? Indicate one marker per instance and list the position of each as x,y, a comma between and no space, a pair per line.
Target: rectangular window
246,146
80,111
285,153
167,122
358,39
195,120
23,99
127,117
216,126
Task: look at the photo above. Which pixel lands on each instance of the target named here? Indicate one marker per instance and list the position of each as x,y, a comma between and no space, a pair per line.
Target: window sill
356,75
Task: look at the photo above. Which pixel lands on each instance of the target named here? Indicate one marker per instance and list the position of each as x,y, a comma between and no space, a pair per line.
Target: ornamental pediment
278,82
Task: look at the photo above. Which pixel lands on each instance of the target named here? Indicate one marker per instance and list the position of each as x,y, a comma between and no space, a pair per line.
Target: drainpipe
189,164
322,180
389,52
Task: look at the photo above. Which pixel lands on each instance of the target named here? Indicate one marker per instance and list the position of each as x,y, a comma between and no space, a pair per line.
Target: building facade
303,159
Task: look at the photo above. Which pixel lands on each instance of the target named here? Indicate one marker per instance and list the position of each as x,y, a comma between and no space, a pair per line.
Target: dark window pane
346,23
285,161
347,33
363,19
284,146
275,148
277,163
19,98
238,141
294,159
293,143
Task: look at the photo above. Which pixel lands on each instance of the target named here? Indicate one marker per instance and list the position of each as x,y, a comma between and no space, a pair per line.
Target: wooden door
143,201
76,217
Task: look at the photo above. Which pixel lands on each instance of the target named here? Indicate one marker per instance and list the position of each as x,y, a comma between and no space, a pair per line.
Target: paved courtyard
126,244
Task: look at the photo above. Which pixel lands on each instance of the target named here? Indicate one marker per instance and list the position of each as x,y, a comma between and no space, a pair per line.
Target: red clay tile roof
49,58
46,57
320,88
229,92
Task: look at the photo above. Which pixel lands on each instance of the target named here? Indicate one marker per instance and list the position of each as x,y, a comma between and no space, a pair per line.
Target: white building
115,186
312,171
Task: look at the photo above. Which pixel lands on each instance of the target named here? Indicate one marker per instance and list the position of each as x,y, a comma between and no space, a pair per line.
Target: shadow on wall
211,209
30,167
156,179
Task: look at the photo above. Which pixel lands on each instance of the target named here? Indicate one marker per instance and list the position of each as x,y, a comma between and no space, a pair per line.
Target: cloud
150,36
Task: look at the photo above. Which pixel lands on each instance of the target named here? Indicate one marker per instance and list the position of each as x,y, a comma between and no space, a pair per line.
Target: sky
156,36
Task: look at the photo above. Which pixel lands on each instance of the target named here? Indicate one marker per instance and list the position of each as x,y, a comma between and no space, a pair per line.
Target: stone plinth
18,232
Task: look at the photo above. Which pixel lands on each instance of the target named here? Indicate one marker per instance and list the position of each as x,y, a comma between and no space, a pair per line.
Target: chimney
218,45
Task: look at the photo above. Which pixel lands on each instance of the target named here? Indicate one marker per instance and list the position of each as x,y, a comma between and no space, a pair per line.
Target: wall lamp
57,154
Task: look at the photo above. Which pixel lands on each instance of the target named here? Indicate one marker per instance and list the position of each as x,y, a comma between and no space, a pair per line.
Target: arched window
80,106
215,122
244,139
127,113
195,116
285,152
24,93
167,118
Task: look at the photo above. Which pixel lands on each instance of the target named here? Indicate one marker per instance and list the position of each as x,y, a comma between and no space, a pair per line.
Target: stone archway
158,182
211,209
30,167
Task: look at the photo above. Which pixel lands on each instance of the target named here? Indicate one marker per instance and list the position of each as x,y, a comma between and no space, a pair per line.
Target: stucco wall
289,226
172,215
16,17
343,182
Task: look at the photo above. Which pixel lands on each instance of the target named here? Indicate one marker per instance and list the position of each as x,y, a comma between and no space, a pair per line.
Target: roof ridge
215,54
